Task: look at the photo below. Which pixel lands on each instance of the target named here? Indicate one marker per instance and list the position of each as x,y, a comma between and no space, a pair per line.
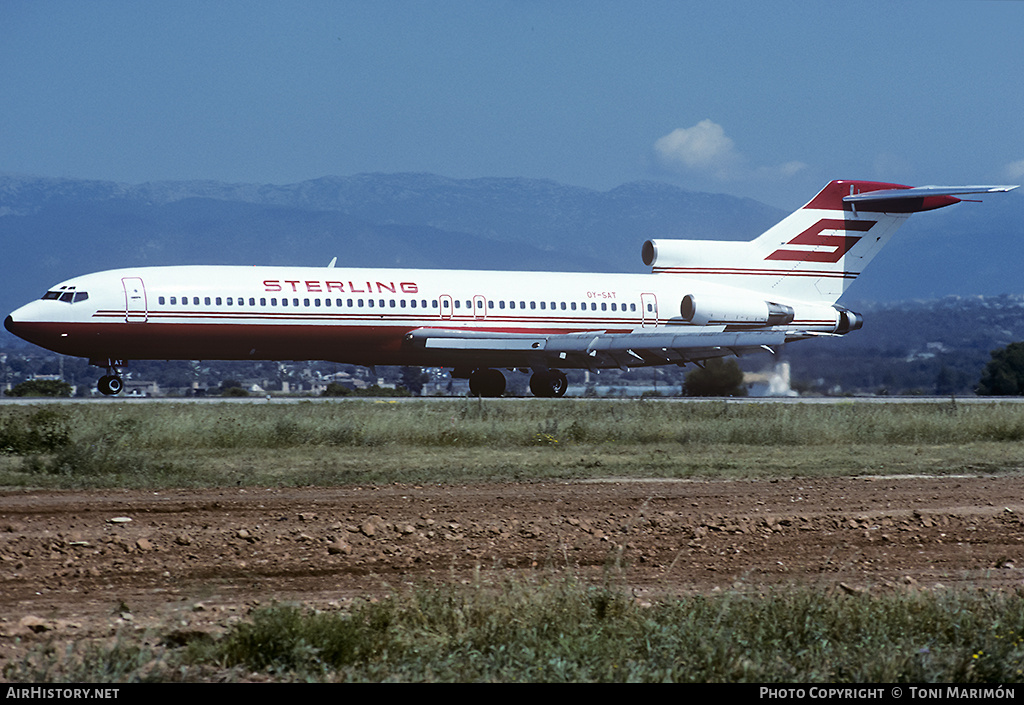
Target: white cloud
703,147
706,148
1015,170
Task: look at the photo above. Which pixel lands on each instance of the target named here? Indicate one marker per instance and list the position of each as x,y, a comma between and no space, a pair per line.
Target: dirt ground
87,564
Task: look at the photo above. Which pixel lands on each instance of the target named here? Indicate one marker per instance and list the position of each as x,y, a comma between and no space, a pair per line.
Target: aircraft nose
9,323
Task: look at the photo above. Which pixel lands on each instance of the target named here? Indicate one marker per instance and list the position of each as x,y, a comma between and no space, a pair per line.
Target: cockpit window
69,296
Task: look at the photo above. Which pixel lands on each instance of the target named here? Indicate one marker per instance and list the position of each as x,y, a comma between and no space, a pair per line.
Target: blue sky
762,99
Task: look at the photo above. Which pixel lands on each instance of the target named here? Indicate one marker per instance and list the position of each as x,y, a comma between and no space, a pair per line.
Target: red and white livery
704,299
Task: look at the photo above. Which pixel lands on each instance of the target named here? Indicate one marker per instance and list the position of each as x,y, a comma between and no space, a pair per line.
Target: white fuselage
358,316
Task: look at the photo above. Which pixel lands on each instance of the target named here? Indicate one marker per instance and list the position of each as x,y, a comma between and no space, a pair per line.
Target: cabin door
136,309
479,307
649,310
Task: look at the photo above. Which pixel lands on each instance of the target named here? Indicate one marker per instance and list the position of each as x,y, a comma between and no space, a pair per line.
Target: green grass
359,441
545,629
561,630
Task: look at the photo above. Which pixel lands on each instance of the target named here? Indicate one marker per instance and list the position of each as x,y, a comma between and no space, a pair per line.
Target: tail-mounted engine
848,320
705,311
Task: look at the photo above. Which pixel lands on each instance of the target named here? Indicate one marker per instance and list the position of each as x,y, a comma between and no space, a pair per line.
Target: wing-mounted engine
709,310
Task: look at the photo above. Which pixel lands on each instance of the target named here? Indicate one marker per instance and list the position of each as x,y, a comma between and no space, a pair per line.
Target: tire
486,383
110,385
549,384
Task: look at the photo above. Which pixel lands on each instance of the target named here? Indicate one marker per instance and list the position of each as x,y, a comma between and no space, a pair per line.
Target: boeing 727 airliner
703,299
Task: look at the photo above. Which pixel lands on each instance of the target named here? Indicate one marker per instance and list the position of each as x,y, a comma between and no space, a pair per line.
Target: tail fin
815,253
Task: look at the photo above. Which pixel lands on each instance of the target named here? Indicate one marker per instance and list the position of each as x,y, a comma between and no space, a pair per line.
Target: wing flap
592,350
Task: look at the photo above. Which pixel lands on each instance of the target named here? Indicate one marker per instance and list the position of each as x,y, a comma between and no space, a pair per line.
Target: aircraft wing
593,350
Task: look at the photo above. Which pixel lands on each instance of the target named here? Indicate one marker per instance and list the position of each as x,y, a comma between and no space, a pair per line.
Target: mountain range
54,228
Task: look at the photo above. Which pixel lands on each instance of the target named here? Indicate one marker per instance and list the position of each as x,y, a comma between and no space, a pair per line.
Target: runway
275,400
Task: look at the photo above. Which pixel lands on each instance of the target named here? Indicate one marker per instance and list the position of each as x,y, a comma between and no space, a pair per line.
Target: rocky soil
77,565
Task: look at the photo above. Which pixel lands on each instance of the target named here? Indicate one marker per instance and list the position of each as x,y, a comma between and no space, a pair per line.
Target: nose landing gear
110,384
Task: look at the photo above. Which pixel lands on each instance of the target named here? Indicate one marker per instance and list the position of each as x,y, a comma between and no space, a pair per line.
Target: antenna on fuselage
333,262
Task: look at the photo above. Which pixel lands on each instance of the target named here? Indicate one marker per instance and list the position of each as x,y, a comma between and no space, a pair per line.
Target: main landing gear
486,383
491,383
111,383
548,383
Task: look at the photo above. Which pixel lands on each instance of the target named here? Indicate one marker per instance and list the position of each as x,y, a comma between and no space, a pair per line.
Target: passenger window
284,302
218,300
263,301
228,301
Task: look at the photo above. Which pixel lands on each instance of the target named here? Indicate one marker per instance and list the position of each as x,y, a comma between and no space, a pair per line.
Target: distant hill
51,229
925,347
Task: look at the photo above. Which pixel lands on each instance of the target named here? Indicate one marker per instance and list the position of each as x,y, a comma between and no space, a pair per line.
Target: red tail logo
840,242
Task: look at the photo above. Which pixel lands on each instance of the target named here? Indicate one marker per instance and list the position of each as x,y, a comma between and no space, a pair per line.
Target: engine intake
734,312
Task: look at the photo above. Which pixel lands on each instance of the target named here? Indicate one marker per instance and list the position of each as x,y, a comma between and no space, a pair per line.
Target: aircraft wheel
550,383
486,383
110,385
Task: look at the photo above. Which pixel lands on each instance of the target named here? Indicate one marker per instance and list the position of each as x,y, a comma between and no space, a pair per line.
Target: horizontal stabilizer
922,191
